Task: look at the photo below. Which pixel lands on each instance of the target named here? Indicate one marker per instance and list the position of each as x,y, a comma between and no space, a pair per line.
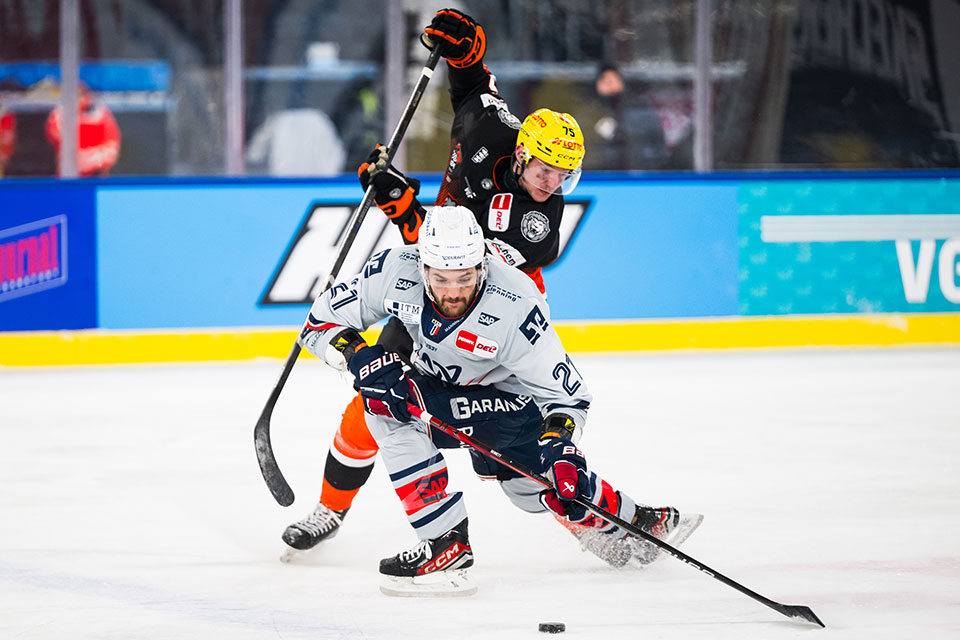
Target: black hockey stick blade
799,612
792,611
277,484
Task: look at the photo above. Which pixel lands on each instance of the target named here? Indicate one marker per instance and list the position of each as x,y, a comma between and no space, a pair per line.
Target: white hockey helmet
450,238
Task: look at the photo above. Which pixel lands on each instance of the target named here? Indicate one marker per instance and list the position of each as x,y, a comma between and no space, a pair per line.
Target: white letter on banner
916,282
949,268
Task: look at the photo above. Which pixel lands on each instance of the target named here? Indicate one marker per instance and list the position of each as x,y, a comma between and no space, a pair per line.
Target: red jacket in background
99,140
8,137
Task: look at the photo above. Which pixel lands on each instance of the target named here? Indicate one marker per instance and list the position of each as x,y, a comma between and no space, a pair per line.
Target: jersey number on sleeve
344,301
533,326
563,372
375,264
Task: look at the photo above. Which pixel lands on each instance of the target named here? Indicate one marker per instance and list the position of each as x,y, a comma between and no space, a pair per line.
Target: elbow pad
558,425
341,348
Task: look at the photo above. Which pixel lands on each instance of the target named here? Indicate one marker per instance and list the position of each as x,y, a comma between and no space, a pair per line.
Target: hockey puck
552,627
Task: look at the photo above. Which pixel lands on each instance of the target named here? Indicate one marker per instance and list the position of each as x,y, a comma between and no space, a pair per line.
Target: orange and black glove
394,193
461,40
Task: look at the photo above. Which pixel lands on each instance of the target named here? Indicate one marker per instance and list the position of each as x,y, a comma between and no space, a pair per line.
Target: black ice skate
617,548
321,524
663,523
435,567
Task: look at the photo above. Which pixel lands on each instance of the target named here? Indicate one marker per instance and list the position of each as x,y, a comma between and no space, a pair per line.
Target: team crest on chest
498,218
435,326
476,345
534,226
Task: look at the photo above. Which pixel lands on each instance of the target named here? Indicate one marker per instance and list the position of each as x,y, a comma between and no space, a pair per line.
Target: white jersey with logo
504,339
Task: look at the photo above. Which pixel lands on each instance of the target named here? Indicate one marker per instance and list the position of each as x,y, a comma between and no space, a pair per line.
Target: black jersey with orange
479,175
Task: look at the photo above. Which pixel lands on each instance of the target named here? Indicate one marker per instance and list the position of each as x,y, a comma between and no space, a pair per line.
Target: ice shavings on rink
132,505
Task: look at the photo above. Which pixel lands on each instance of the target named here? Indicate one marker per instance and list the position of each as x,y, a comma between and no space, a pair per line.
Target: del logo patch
476,345
499,215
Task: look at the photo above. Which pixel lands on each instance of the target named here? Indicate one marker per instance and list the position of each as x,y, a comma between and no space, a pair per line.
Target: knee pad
524,493
353,438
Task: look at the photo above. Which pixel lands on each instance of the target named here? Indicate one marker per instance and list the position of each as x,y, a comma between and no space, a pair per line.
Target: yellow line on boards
49,348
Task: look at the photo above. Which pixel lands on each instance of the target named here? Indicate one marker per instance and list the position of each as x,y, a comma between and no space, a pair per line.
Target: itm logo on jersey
33,257
476,345
405,312
307,261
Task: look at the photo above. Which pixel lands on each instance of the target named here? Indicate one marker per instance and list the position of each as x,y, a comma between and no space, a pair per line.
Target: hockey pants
506,422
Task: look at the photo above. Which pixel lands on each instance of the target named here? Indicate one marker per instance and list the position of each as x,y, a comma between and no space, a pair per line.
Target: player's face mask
543,180
452,290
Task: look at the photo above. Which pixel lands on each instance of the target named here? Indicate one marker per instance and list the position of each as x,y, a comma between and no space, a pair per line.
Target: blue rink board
178,253
199,256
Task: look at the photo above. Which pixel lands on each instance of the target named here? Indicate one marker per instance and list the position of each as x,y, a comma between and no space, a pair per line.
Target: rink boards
141,270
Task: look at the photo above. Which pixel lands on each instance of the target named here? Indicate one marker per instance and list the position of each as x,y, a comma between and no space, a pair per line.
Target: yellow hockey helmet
554,138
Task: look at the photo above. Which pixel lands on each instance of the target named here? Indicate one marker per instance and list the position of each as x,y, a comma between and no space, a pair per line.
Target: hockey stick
277,484
790,610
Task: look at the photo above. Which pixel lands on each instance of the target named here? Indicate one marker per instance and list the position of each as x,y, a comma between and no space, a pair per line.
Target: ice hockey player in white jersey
485,356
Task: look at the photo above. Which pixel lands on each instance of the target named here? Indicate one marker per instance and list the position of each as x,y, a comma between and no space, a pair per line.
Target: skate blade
684,529
442,584
292,555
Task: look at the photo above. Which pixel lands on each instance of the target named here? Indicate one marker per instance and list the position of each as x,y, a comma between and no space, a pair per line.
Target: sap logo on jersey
476,345
486,319
498,218
33,257
403,284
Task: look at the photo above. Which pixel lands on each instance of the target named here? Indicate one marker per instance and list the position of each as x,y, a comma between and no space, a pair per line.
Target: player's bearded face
453,289
542,180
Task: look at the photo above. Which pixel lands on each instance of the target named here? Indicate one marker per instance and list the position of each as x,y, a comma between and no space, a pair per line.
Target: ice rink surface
132,505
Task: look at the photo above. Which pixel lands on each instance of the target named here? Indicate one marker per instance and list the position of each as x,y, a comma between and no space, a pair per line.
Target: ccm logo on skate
476,345
440,562
377,364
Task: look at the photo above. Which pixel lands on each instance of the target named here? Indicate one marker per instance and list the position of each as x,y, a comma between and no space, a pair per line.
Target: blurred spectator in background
630,131
8,136
99,138
298,142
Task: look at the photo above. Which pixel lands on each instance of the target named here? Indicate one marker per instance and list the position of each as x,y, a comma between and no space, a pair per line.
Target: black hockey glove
461,40
393,193
566,466
381,381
